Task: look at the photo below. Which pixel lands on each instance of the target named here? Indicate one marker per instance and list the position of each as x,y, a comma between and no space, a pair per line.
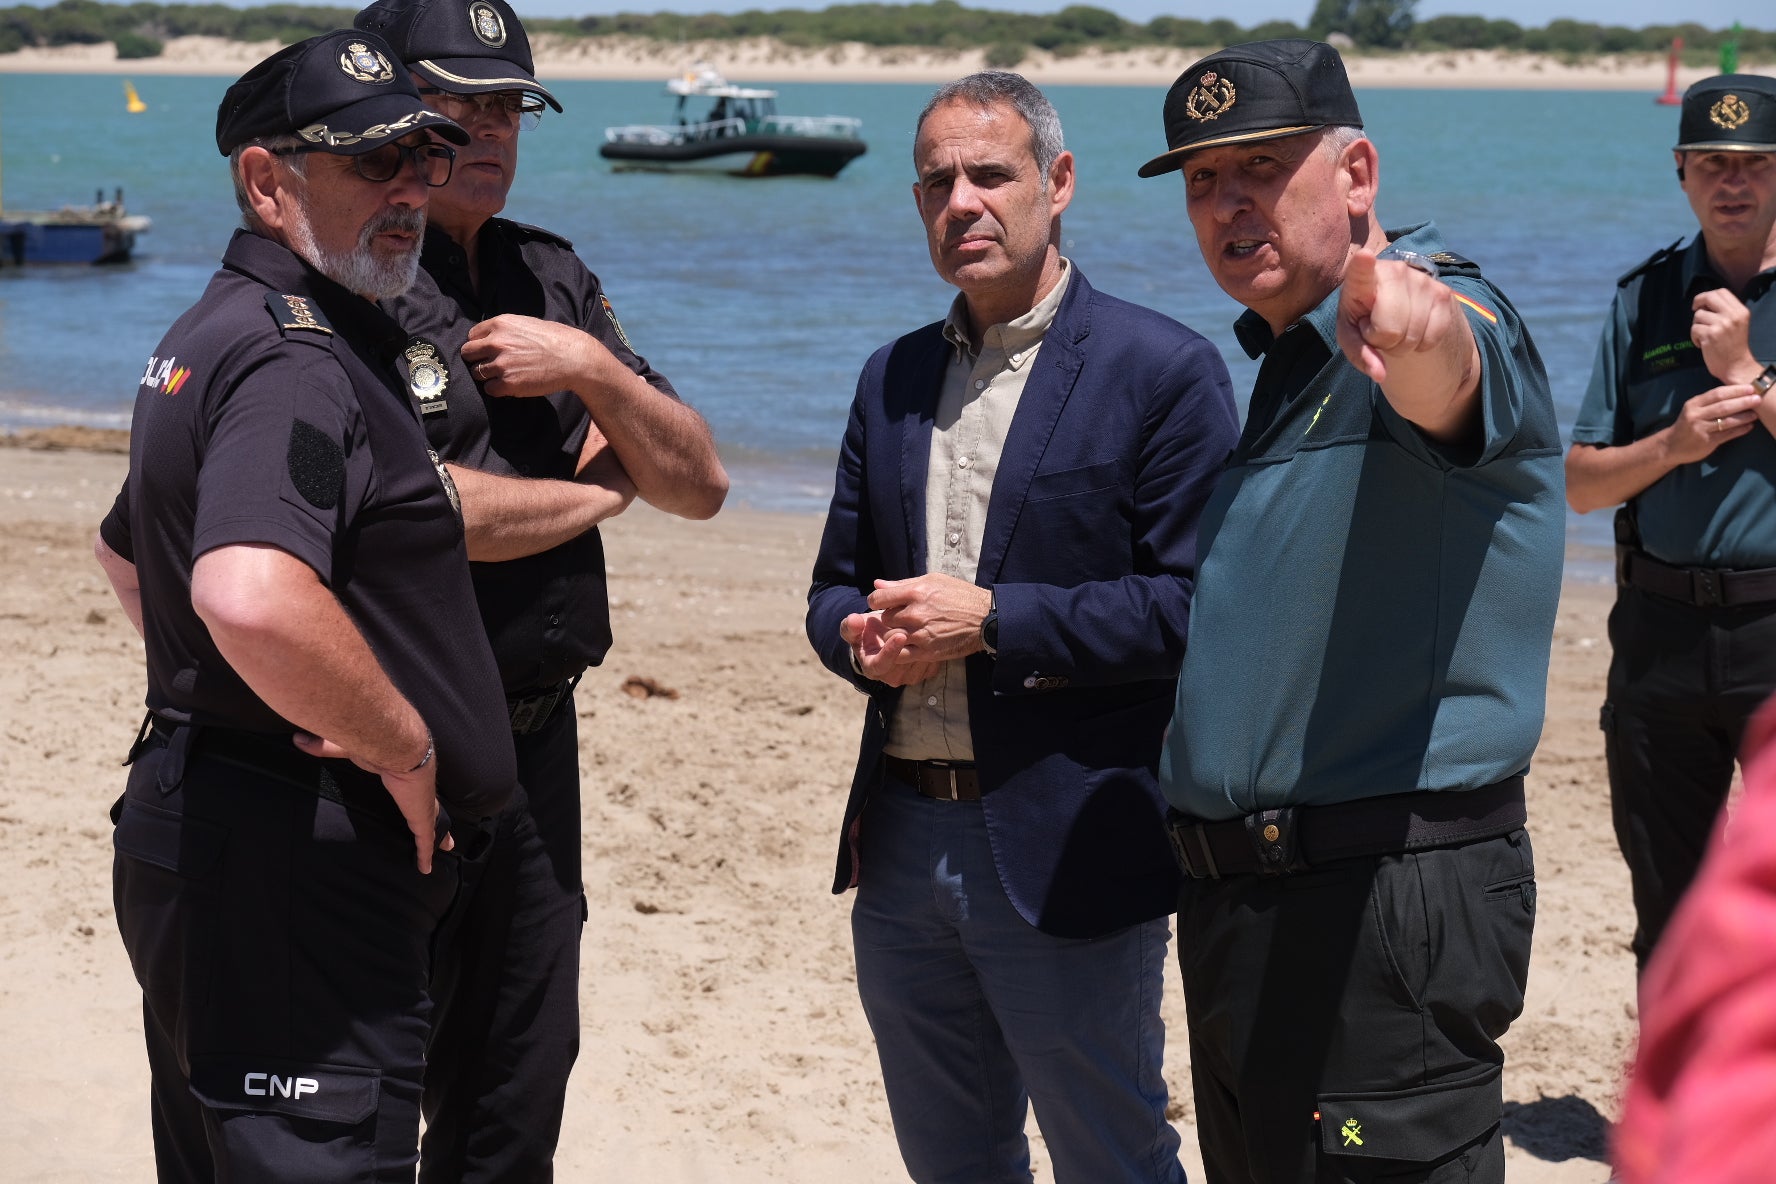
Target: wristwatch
990,626
1763,382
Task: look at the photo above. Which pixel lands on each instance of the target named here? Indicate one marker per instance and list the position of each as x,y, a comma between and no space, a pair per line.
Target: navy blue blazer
1090,548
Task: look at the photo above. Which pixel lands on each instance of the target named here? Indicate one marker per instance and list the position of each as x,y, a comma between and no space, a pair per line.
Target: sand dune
767,60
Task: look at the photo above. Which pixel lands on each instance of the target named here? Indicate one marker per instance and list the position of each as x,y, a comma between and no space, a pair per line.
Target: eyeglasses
499,104
432,161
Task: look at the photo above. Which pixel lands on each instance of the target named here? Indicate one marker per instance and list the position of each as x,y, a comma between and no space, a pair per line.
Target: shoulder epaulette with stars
1449,263
298,315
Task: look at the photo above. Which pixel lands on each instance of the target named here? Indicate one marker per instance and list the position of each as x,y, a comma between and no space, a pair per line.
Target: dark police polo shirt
1372,614
1719,511
253,424
547,615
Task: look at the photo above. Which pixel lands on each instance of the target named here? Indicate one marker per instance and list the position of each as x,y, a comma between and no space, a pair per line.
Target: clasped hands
1720,327
915,626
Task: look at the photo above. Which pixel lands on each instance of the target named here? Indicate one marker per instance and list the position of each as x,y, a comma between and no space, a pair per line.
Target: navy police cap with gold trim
462,46
1263,90
343,92
1729,113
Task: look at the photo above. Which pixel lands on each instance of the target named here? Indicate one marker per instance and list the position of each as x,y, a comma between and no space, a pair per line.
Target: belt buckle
1177,830
1706,590
949,773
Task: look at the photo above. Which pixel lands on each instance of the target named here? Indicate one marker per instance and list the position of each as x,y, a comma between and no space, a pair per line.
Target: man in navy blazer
1006,572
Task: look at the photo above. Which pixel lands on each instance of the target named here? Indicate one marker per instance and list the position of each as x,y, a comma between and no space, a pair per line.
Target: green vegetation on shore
140,30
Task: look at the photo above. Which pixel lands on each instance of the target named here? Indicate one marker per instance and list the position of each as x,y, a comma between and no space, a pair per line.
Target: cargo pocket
292,1121
165,896
1402,1129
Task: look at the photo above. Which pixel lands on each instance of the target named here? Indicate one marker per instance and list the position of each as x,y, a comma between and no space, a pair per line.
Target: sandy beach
722,1041
768,60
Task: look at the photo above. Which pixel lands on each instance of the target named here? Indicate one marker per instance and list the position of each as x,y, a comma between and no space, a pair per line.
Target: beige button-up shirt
975,405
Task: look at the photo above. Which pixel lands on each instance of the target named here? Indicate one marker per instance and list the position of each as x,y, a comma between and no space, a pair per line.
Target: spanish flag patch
1485,312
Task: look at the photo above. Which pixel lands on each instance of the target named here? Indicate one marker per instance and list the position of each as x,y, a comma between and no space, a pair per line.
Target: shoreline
756,60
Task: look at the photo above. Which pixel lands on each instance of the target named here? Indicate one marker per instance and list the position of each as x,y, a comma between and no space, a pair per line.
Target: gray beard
359,270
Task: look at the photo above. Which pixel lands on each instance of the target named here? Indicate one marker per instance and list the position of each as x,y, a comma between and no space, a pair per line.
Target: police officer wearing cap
1364,679
1676,428
550,423
317,686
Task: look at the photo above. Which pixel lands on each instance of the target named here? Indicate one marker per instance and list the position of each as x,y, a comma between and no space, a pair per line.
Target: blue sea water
761,299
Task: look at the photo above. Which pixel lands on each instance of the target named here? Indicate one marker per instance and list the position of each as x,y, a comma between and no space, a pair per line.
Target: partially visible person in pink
1701,1106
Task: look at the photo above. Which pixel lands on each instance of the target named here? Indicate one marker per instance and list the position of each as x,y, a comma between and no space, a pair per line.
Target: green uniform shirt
1720,511
1372,614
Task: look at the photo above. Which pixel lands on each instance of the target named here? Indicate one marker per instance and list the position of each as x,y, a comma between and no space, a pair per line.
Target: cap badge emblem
1730,113
426,376
364,64
488,26
1212,97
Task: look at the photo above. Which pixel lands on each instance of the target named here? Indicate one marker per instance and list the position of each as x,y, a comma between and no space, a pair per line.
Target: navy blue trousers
507,990
283,942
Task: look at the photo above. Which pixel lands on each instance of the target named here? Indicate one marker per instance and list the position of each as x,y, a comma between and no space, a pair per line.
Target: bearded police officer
1364,679
551,423
317,685
1676,427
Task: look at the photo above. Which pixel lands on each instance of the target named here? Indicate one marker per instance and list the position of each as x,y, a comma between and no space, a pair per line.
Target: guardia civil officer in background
1364,679
550,423
317,683
1676,429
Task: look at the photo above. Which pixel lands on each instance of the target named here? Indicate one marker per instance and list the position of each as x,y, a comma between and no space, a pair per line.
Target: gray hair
294,162
1338,138
990,88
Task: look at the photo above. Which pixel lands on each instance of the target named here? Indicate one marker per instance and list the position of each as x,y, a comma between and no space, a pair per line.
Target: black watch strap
990,627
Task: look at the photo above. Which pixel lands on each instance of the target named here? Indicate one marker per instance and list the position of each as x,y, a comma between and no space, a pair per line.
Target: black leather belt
1297,838
1701,586
531,712
274,756
947,781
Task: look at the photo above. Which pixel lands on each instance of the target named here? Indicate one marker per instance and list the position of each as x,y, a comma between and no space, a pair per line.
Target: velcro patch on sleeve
317,465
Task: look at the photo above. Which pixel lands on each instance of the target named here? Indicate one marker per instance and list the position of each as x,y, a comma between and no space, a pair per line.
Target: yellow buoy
132,100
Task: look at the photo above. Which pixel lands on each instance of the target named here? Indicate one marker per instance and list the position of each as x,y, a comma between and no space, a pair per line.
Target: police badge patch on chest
427,376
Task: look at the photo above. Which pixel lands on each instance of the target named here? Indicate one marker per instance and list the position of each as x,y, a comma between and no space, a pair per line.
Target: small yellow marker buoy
132,100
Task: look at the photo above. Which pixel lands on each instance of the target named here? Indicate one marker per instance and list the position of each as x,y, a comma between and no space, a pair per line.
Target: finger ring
1717,425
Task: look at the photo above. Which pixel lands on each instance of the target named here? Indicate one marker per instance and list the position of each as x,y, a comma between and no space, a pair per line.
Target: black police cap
462,46
1729,113
1263,90
344,92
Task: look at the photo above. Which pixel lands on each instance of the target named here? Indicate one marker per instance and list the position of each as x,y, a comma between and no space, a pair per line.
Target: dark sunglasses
432,161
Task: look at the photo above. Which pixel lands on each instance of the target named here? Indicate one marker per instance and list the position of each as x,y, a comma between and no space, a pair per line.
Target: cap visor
1167,162
477,75
367,125
1723,146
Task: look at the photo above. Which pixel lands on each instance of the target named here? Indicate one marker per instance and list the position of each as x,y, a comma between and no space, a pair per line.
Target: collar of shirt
282,270
1012,338
1699,274
1254,332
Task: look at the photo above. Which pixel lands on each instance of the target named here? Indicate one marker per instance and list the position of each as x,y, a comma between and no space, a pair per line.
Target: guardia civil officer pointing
1363,684
321,705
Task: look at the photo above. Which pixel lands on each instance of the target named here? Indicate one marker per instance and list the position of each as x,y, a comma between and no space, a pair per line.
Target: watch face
1763,382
